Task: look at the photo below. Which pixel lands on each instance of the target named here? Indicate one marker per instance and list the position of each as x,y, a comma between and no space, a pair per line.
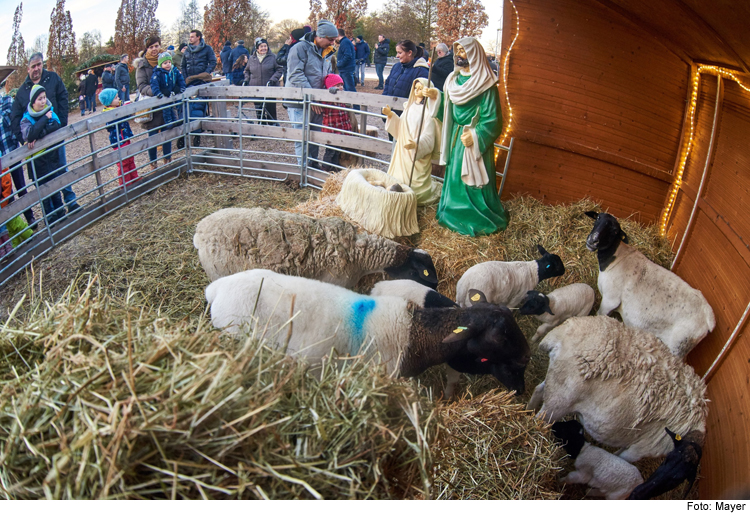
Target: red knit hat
332,80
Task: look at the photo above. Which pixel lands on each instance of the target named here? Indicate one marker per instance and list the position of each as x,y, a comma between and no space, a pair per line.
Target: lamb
507,282
406,338
574,300
623,383
607,474
646,295
327,249
412,291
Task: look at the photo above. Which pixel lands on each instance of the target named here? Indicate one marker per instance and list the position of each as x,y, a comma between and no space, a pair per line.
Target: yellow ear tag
677,437
459,329
476,297
426,273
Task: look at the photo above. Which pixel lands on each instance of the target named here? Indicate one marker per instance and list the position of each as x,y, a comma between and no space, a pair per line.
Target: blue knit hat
107,96
326,29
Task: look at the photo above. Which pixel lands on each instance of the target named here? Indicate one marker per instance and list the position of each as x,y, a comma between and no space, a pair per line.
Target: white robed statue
405,130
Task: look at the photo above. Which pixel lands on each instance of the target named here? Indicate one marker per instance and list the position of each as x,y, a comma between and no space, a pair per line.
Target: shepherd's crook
424,109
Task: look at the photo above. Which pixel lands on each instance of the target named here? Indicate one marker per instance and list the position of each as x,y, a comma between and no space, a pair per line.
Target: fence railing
235,137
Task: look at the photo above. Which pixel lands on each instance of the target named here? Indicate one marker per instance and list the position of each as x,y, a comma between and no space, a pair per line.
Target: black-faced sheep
623,383
646,295
327,249
507,282
574,300
681,463
406,338
608,475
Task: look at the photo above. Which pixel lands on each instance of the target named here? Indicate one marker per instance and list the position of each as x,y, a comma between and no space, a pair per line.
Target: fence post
305,137
220,111
95,161
186,126
239,135
363,123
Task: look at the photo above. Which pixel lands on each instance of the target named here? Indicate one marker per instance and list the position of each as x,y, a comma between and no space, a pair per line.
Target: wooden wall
600,104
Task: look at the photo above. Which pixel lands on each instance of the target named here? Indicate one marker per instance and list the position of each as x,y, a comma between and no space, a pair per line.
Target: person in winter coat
238,50
199,57
410,65
145,67
225,56
122,78
335,121
119,136
308,67
82,94
166,81
380,59
443,66
237,74
38,121
108,77
9,143
57,96
283,54
262,70
178,54
92,83
345,61
362,57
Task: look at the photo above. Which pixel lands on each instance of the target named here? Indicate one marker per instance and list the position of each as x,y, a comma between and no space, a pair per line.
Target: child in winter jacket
334,120
119,136
165,81
38,121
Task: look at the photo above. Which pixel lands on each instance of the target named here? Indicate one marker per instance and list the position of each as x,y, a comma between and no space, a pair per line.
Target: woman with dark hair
410,65
262,70
237,73
144,68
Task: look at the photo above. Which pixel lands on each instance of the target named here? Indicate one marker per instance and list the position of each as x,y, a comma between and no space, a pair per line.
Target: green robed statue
469,203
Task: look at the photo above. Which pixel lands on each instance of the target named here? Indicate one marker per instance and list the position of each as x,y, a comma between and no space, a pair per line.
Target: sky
88,15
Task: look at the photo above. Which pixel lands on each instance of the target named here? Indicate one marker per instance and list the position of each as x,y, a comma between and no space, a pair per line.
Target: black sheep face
605,233
570,435
417,267
535,303
492,343
550,265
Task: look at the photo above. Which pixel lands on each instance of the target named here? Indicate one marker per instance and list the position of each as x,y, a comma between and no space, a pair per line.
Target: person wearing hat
226,57
362,56
335,121
108,77
38,121
92,83
144,69
262,70
119,136
166,81
238,51
307,68
281,57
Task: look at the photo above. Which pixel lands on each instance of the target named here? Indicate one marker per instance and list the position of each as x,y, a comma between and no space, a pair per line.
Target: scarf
261,57
153,57
196,49
37,115
482,76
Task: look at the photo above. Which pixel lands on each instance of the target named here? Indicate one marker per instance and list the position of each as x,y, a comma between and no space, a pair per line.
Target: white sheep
507,282
608,475
623,383
645,294
328,249
406,338
412,291
574,300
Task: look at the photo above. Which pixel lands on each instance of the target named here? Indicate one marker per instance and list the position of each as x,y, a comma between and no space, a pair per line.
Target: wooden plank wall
598,107
715,258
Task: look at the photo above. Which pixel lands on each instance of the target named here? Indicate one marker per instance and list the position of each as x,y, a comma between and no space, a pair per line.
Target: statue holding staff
469,203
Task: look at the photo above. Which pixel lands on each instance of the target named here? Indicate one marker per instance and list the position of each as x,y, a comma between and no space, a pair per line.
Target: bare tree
460,18
41,42
280,31
16,51
90,45
62,39
190,18
136,21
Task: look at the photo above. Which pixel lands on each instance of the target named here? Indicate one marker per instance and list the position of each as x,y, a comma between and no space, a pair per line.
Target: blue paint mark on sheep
360,312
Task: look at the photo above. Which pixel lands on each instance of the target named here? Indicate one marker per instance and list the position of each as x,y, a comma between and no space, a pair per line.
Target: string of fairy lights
675,188
505,76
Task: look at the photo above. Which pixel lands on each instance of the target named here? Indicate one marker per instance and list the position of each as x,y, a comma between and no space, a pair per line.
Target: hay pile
123,402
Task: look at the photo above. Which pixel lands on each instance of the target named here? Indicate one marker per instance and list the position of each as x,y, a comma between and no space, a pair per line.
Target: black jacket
236,52
92,83
57,96
381,52
441,69
225,55
122,76
108,80
199,61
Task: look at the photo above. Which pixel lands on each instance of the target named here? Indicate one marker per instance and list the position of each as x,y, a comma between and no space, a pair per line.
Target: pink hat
332,80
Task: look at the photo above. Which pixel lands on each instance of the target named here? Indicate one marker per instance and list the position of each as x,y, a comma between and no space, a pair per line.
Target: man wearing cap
362,54
225,56
283,55
237,52
122,78
307,68
57,96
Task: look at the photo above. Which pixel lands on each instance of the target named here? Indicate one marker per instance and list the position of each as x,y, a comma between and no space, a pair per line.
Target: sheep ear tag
476,297
677,438
461,333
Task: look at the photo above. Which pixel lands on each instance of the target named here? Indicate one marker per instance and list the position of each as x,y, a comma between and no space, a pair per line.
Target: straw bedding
115,385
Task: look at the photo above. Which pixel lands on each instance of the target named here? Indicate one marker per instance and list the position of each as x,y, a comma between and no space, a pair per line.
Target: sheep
623,383
412,291
406,338
681,463
646,295
507,282
327,249
607,474
574,300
